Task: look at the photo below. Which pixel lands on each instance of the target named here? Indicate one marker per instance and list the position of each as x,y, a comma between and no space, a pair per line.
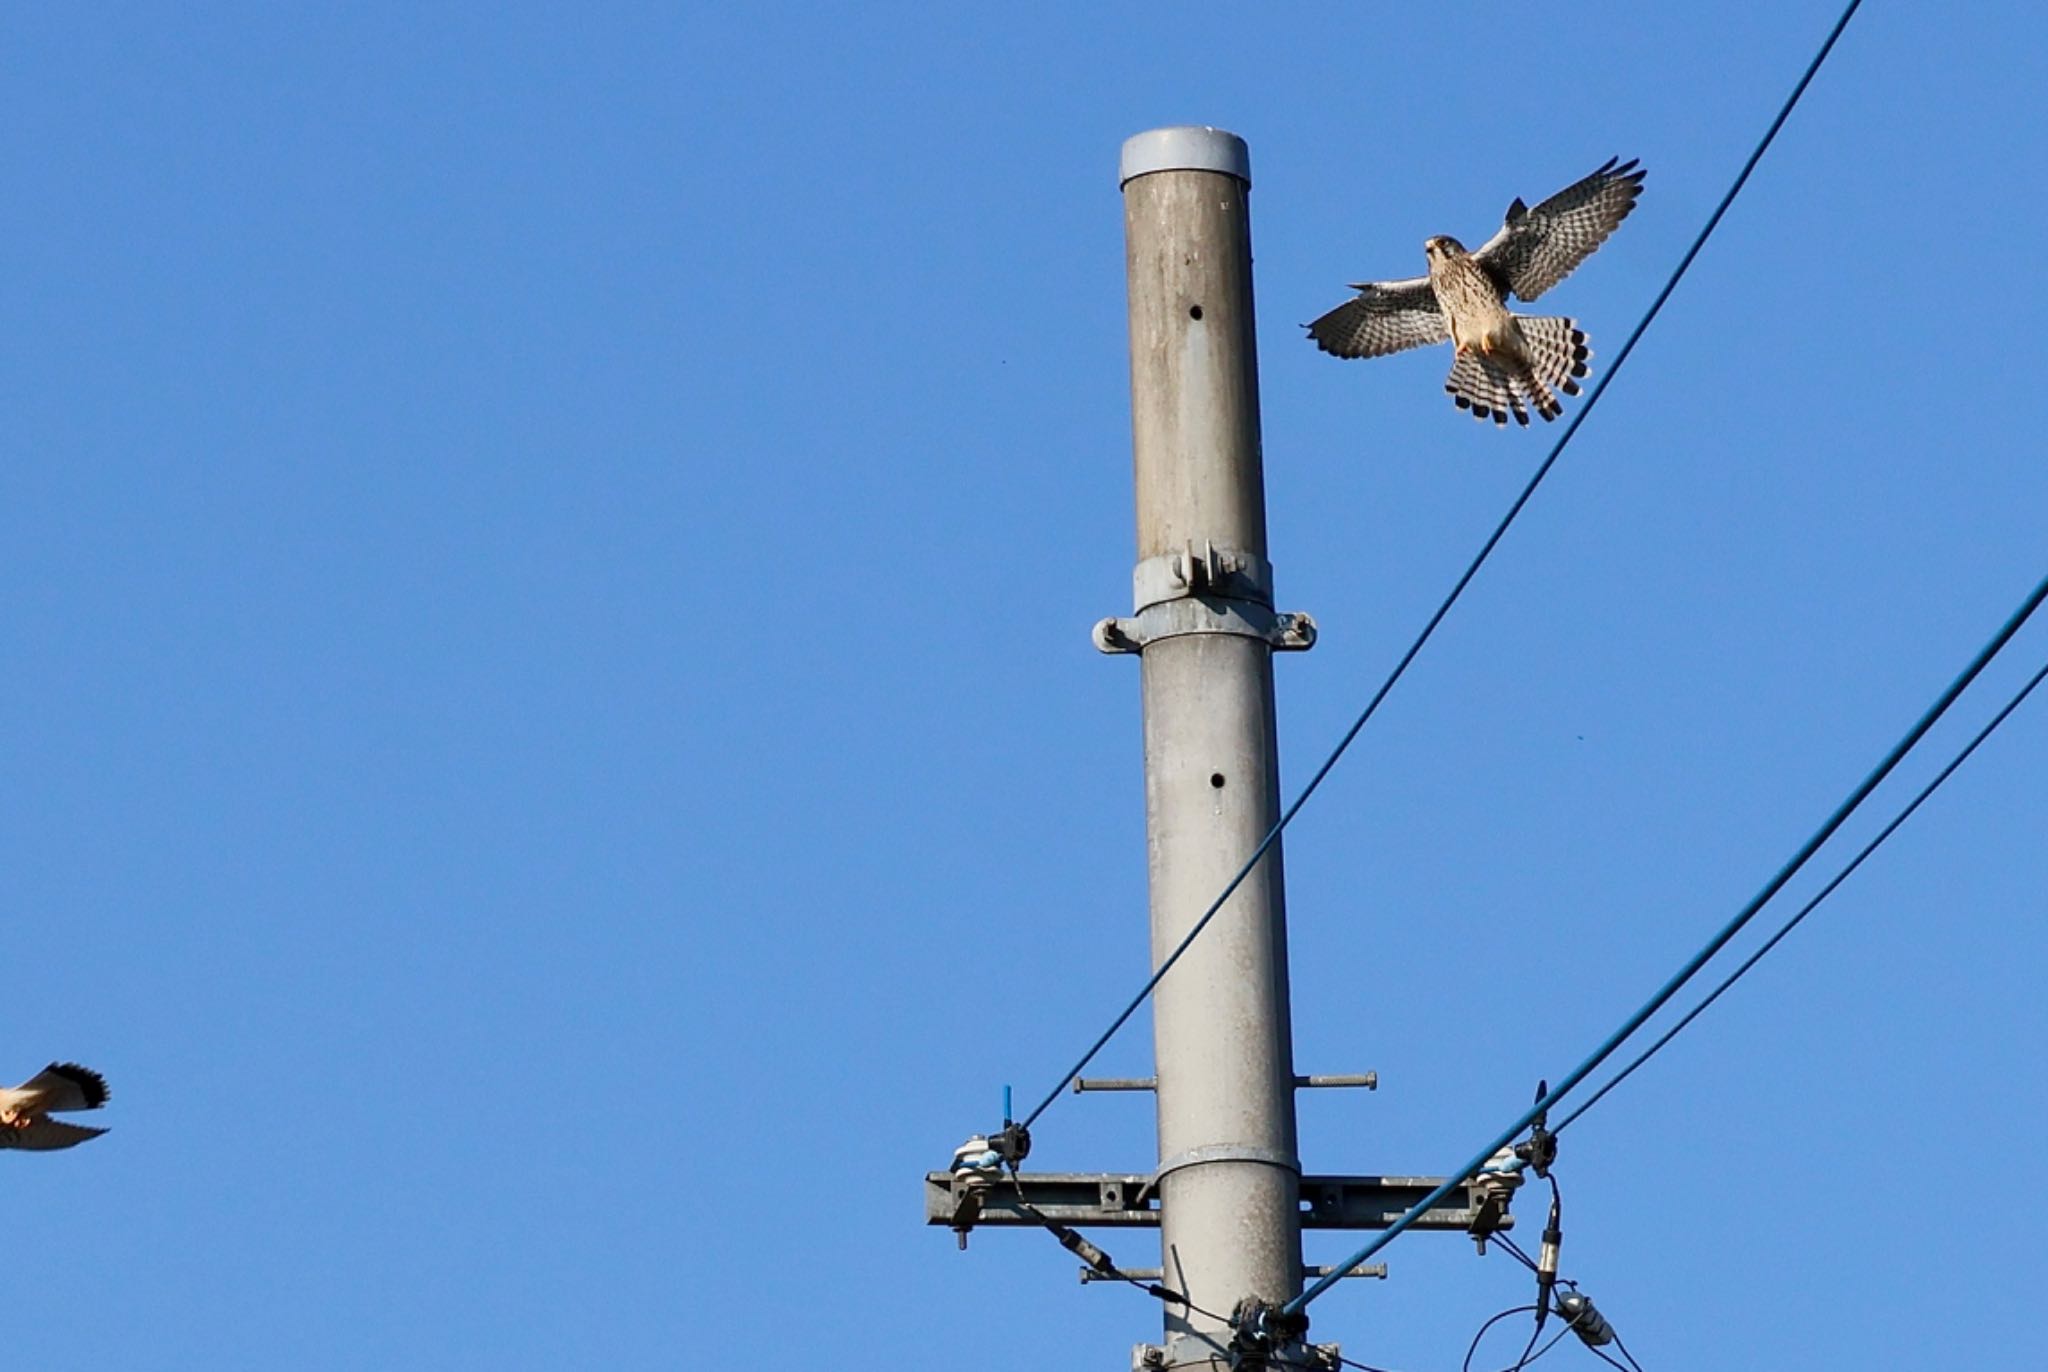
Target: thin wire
1156,1290
1526,1359
1928,790
1555,1339
1361,1366
1161,1291
1789,925
1512,1247
1500,1236
1515,1250
1178,1298
1698,960
1527,1356
1458,589
1528,1349
1608,1358
1342,1361
1473,1351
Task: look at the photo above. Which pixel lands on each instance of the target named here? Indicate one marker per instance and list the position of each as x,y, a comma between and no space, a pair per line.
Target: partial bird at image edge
60,1088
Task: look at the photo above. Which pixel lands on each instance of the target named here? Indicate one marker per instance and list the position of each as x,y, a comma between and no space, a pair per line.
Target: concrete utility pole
1228,1195
1228,1174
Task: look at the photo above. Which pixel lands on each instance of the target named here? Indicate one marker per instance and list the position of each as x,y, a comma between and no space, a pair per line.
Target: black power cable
1789,925
1633,1364
1473,1351
1714,945
1530,1353
1571,428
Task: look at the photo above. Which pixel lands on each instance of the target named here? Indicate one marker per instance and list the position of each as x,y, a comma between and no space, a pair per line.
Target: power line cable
1608,1358
1359,1366
1528,1351
1513,1249
1097,1260
1473,1351
1789,925
1698,960
1458,589
1555,1340
1320,1367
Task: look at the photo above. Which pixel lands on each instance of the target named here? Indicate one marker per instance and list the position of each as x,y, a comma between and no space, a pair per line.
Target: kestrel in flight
62,1086
1505,363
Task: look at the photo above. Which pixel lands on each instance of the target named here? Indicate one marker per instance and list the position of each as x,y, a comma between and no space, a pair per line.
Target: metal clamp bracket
1204,589
1203,570
1285,633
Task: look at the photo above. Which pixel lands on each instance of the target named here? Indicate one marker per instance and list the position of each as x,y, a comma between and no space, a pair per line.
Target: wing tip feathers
90,1084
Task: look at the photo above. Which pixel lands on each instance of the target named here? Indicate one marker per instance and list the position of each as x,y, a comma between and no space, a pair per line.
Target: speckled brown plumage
1505,364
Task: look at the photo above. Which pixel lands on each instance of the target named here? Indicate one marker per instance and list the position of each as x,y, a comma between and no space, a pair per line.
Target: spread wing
1385,317
64,1086
1538,248
46,1134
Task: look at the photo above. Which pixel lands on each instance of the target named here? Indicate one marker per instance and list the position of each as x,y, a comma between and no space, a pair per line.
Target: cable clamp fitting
977,1165
1493,1188
1541,1149
1259,1332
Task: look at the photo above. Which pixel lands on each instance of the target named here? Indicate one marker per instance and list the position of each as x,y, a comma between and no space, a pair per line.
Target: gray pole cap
1185,147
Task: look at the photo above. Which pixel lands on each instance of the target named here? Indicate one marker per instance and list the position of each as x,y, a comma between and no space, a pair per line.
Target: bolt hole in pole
1194,311
1216,780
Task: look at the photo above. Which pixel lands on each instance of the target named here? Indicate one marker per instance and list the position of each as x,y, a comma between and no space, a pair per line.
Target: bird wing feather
62,1086
1385,317
46,1134
1537,248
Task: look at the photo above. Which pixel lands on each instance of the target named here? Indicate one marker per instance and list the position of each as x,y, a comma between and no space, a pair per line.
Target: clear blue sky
551,750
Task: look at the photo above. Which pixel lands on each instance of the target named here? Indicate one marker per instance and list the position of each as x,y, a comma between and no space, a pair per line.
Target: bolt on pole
1228,1176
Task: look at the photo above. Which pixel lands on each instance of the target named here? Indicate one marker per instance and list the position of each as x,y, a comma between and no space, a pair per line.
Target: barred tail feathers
1557,351
1481,385
1498,385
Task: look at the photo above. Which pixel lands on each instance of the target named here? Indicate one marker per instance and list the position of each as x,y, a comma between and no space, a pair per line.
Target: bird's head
1442,246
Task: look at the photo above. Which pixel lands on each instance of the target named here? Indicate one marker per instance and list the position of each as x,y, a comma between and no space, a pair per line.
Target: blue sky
552,752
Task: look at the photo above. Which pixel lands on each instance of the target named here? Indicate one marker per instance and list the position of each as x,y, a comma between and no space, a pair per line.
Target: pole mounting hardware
1284,633
1203,589
1126,1199
1259,1332
1493,1188
1541,1149
977,1164
1202,569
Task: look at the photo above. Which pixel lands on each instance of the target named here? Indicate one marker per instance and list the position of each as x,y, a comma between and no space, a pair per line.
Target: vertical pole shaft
1229,1176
